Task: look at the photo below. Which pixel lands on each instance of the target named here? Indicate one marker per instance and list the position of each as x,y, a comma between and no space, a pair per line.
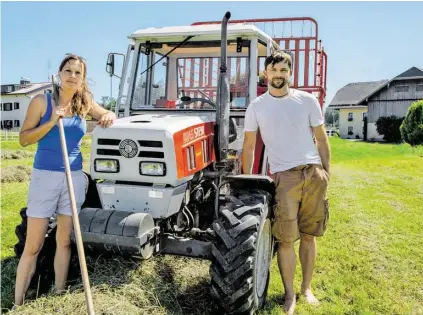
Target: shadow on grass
191,297
8,274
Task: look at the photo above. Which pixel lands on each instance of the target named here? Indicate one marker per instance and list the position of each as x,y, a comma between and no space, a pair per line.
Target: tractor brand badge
193,134
128,148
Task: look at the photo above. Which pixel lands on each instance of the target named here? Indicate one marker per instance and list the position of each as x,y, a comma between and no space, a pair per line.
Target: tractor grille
108,152
108,141
119,143
150,144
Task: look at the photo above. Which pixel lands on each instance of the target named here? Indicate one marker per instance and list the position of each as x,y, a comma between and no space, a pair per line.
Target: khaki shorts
301,202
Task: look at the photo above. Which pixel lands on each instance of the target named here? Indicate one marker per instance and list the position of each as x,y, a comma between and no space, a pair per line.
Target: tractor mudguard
252,181
118,231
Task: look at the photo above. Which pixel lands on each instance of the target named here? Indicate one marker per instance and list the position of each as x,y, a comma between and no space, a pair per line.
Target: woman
48,191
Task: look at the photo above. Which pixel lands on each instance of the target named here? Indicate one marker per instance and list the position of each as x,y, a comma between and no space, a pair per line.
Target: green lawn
369,262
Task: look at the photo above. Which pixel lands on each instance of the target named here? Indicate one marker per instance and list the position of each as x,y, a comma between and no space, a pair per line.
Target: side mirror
110,66
113,67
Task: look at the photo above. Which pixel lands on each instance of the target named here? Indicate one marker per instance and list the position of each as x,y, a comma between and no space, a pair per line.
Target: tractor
166,177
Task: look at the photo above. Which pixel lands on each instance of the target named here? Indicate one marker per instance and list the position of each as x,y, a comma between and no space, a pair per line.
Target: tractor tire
44,272
20,232
242,252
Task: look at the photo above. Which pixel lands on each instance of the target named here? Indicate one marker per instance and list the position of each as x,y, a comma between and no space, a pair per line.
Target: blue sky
364,41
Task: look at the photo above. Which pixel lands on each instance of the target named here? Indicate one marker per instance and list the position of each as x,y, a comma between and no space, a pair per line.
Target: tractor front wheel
242,253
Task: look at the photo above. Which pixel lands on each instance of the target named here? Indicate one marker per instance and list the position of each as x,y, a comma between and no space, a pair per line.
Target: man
287,119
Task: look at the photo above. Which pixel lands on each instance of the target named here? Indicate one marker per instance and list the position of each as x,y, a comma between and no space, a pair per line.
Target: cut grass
369,261
16,173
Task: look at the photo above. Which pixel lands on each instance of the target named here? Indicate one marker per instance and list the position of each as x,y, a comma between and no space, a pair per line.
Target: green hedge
389,127
412,126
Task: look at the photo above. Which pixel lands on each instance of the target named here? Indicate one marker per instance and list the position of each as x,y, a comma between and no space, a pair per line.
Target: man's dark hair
278,56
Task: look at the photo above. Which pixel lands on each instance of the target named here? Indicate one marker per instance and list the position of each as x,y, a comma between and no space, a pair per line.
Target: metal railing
9,135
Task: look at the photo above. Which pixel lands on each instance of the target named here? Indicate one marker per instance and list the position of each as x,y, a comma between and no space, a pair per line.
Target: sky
364,41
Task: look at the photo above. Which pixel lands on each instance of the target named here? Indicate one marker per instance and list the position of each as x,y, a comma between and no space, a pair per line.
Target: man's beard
280,85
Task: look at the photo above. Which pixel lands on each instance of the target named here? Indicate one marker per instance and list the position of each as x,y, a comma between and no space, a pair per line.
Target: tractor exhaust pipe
222,104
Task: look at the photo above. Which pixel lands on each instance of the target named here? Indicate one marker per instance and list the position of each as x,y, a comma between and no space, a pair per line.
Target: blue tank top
49,154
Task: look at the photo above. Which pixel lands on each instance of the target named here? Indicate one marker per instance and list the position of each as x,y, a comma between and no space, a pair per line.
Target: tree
332,117
108,103
412,126
389,127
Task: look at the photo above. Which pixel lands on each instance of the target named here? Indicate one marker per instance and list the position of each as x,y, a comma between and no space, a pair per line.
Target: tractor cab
177,68
174,70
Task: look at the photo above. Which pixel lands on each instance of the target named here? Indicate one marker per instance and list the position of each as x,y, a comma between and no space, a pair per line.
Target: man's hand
322,143
248,151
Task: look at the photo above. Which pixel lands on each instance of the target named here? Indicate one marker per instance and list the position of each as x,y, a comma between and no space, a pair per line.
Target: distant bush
389,127
412,126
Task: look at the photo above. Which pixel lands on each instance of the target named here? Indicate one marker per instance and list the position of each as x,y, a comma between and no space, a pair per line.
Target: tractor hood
170,123
150,138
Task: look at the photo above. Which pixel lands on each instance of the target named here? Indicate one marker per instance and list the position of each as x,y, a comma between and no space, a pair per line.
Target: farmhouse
15,99
359,100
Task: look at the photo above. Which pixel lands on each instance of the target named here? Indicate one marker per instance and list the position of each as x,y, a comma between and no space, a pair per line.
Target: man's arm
322,143
248,151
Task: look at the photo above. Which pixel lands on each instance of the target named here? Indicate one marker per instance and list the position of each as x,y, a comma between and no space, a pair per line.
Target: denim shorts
48,193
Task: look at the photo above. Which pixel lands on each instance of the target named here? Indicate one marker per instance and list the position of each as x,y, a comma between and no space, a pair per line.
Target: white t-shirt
285,127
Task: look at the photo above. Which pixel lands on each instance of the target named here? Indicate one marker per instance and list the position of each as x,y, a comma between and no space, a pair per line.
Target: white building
15,99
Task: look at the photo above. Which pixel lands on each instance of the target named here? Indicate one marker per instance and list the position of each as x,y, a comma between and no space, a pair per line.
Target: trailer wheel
242,253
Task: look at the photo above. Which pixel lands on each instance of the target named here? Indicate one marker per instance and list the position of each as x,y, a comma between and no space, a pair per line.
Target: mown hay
16,173
161,285
16,154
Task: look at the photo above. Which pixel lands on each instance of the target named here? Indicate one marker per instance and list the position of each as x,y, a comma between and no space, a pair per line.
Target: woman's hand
56,114
107,119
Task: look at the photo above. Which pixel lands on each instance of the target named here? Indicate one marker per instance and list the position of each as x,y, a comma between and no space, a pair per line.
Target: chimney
25,81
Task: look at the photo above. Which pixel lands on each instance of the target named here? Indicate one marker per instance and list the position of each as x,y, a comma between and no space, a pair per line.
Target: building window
7,107
401,88
8,124
1,106
350,130
350,116
419,87
17,123
16,106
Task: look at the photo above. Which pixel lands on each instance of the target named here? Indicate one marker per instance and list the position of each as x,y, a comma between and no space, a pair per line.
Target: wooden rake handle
75,218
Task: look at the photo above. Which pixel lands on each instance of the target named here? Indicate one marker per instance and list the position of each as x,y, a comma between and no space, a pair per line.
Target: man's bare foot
310,298
289,305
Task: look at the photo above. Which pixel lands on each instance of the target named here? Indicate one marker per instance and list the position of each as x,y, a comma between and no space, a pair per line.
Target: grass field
369,262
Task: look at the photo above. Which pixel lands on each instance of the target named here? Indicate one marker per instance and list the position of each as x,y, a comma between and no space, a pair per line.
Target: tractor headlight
106,166
152,168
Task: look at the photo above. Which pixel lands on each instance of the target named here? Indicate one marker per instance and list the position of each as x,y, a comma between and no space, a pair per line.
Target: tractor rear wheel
242,253
44,273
